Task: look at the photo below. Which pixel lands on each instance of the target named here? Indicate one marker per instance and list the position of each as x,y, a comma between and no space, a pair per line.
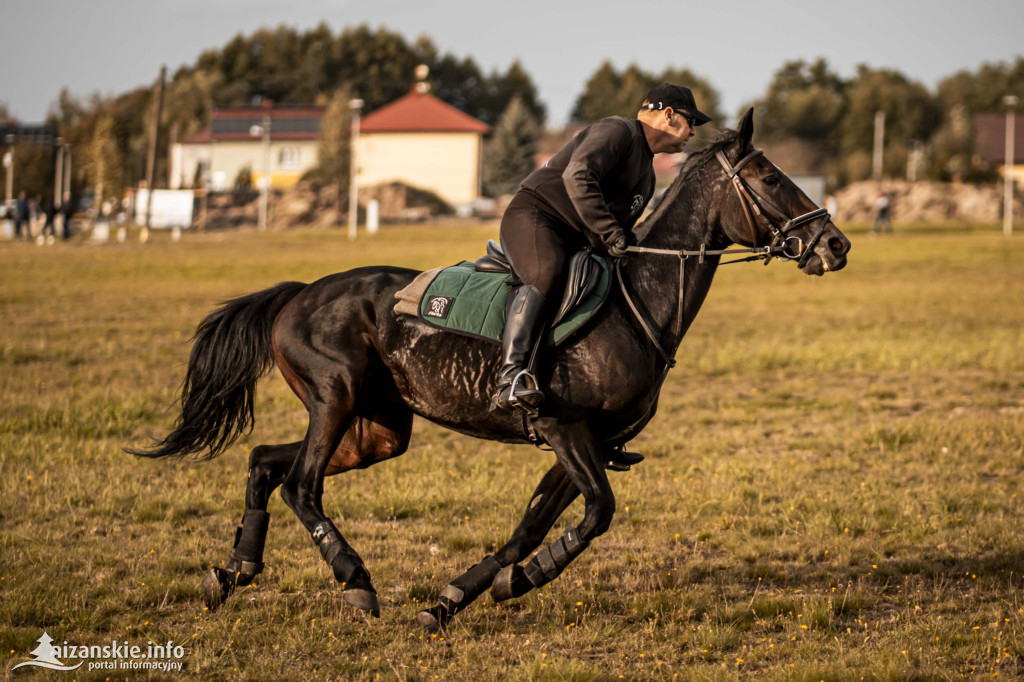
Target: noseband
784,246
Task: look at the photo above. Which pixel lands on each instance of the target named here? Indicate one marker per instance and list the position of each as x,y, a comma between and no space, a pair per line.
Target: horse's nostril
837,246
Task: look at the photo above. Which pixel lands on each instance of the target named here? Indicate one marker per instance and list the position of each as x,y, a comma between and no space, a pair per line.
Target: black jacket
600,182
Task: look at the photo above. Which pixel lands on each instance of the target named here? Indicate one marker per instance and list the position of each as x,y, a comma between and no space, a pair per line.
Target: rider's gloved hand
617,249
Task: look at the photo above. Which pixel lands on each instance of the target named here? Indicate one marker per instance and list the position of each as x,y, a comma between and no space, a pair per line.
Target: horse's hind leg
268,466
555,492
302,491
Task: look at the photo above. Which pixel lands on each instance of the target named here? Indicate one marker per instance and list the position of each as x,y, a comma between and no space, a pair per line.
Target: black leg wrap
467,587
459,594
510,583
246,560
553,559
347,566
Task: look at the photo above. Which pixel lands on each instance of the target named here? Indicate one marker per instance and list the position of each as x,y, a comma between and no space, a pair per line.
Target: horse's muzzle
829,253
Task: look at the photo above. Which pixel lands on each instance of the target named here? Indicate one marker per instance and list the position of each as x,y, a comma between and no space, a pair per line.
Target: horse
363,371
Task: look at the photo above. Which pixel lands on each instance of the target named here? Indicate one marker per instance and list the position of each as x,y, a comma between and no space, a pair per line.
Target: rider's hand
617,249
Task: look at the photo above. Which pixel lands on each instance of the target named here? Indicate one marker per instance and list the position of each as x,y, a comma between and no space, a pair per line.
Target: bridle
784,246
755,203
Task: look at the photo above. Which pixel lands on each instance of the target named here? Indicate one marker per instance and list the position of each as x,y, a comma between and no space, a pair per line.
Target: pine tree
510,152
103,159
334,152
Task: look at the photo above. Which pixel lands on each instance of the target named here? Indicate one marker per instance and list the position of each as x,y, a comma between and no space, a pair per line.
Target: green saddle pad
472,303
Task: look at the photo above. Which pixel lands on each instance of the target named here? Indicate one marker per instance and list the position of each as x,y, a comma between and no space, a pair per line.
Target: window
290,158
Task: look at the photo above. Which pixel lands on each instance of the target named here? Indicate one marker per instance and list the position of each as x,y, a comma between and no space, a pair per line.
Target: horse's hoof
510,583
365,600
216,588
429,620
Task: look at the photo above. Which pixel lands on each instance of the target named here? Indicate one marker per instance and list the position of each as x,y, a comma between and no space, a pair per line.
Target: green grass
832,489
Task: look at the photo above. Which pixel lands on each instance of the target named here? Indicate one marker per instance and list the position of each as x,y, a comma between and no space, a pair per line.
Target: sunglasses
691,120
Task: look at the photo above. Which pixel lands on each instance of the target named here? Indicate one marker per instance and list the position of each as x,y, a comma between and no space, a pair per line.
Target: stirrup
621,459
519,397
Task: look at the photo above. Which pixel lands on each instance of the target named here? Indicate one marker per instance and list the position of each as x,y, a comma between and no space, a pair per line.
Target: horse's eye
771,180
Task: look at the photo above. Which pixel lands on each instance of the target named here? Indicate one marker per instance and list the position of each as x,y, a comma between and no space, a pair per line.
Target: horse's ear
746,129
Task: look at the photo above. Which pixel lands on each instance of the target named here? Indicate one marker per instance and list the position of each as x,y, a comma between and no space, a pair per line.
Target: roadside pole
1011,102
353,185
154,134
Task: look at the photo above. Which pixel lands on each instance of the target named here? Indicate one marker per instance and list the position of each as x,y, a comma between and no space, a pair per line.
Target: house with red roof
421,141
235,140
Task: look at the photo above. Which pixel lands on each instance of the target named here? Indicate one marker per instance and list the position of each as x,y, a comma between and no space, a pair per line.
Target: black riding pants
538,245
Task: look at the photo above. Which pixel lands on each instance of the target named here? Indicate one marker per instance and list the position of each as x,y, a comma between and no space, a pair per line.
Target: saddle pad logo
438,306
638,204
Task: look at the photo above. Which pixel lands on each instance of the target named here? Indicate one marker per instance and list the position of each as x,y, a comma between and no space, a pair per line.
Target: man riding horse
591,192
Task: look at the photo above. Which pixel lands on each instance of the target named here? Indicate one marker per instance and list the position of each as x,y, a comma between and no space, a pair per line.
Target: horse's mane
694,162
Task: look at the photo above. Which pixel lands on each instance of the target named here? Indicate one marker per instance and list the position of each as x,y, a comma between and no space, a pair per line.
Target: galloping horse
363,371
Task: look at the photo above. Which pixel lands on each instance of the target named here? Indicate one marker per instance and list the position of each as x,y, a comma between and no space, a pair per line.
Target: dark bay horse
363,371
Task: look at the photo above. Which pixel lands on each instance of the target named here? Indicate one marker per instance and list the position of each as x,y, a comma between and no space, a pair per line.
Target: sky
111,46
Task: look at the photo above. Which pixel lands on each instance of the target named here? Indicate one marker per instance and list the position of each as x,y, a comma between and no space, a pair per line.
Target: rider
591,191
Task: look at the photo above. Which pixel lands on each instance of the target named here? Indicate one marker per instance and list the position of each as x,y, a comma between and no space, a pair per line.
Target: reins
762,253
753,203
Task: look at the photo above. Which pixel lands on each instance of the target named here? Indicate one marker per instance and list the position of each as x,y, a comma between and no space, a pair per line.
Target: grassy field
832,490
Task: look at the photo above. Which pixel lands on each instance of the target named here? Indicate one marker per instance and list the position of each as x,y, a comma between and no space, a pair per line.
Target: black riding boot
517,386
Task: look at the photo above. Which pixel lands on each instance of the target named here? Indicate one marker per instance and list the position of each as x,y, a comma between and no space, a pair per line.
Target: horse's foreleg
581,456
268,466
555,492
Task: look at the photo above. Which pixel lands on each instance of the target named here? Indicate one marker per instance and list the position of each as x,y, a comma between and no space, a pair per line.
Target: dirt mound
311,204
922,201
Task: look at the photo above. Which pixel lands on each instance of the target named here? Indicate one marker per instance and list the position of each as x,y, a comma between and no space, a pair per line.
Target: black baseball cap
675,96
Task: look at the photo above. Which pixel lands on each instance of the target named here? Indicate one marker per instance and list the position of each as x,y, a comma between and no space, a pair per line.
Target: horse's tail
231,351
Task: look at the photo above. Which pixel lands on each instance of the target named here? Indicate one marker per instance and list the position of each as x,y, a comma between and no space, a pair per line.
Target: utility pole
58,170
67,170
1011,102
353,186
264,182
876,164
9,165
267,181
154,135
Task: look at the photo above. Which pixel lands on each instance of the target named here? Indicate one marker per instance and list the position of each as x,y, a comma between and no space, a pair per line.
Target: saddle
469,298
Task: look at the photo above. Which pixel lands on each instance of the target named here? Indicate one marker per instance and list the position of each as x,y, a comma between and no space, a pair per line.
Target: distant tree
804,101
799,118
103,160
189,100
910,114
600,95
460,82
5,113
960,97
67,111
287,66
33,170
379,66
610,93
509,154
504,87
334,155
